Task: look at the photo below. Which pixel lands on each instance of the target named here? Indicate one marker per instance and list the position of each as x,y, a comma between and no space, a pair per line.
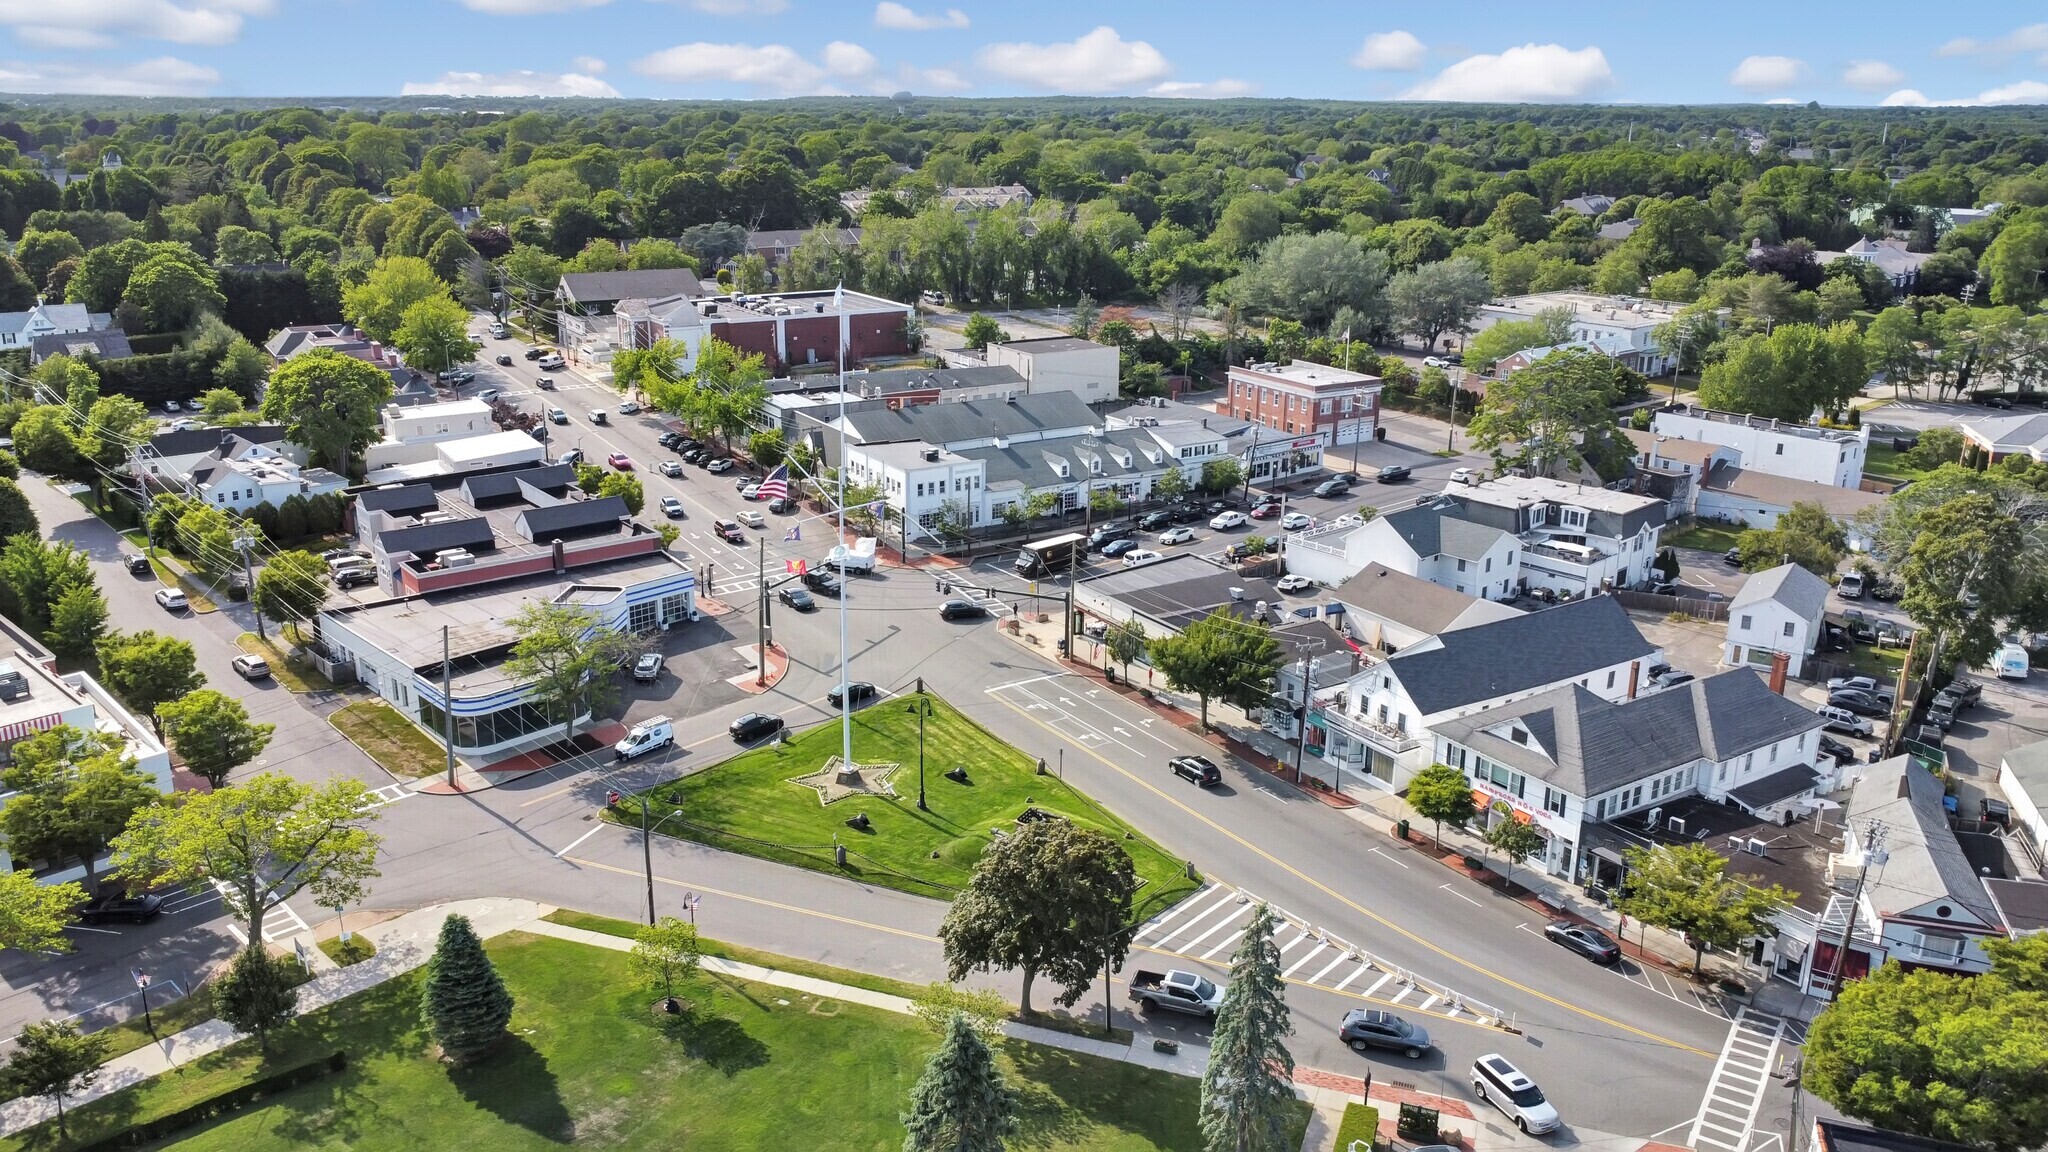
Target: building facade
1832,456
1063,364
1299,411
1622,327
809,329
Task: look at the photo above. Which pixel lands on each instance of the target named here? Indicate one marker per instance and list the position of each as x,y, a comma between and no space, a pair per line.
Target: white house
1576,539
1063,364
1571,757
1377,727
1433,542
410,434
20,329
1386,611
1795,451
1621,327
243,474
1756,500
1777,611
2023,777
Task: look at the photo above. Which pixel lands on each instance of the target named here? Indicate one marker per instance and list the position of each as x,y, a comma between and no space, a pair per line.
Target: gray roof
1031,462
791,237
1171,412
194,441
110,344
1788,584
2022,904
1923,862
1619,230
1433,531
1488,661
640,283
425,539
892,380
1408,600
399,499
947,424
1783,784
1054,344
549,478
541,524
2028,766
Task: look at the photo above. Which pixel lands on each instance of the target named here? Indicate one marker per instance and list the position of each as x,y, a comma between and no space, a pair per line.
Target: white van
646,736
1502,1085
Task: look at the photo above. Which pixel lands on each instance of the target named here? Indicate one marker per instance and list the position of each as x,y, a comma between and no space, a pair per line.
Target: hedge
218,1107
153,379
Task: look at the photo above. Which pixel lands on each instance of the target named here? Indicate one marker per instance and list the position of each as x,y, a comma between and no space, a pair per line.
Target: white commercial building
1777,612
410,434
1831,456
1622,327
1063,364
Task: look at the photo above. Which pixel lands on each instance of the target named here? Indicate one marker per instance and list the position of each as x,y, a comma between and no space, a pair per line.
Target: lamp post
142,985
923,708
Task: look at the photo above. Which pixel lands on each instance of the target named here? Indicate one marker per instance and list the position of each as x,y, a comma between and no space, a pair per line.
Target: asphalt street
1652,1042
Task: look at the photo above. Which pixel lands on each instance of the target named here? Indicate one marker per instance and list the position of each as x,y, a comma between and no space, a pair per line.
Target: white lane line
1298,965
1426,1004
1196,942
1377,984
1227,942
1294,943
1362,970
1197,922
1376,851
580,839
1318,977
83,928
1167,917
1459,895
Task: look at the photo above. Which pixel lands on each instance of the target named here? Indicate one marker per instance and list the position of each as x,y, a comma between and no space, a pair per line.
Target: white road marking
1376,851
1298,965
1377,984
83,928
1426,1004
1192,902
1459,895
1318,977
580,839
1736,1089
1225,944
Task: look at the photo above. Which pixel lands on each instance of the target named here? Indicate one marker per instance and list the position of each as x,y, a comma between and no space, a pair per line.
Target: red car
1265,511
621,461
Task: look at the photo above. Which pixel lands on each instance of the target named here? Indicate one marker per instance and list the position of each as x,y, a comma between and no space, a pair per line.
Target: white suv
1503,1085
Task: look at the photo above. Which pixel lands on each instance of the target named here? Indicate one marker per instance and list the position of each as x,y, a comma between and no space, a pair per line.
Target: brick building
1312,407
797,328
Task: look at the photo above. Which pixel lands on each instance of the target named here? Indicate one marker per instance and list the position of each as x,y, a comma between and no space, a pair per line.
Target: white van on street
650,734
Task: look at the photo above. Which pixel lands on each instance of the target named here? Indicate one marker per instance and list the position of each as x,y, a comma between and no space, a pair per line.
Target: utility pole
1067,621
244,542
761,595
647,856
1873,845
447,706
1301,729
1457,379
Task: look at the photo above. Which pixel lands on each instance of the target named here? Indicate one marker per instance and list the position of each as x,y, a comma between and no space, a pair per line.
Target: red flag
795,567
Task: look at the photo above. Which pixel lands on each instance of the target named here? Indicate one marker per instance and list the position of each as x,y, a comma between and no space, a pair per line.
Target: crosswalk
1209,925
388,794
1736,1090
279,922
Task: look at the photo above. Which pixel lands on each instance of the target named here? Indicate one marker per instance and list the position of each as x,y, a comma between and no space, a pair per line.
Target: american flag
775,485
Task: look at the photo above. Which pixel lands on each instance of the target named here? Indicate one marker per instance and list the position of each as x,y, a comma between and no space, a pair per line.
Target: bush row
220,1106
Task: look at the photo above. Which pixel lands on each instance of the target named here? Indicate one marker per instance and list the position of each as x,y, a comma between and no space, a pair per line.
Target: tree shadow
719,1041
1062,1094
515,1084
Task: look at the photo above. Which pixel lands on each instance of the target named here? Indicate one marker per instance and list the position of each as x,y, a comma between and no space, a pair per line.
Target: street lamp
923,708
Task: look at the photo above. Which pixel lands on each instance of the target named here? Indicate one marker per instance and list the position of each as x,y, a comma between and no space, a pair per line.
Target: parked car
782,505
754,726
350,577
648,667
1996,401
535,353
1367,1028
1850,587
1841,753
796,598
487,394
629,408
1154,521
860,692
137,564
1177,536
1671,678
1732,557
1177,991
171,600
1861,630
670,468
719,465
1116,548
1140,557
1107,534
117,905
672,508
1584,939
250,667
1394,473
961,610
1197,770
1334,486
1861,703
1226,520
173,406
1296,521
1294,583
1854,683
1842,720
1265,511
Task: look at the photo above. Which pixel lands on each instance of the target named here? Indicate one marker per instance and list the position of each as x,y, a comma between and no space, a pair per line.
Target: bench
1555,904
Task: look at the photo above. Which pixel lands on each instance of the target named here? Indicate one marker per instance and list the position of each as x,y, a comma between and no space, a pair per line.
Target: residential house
242,474
106,344
1589,205
774,247
1773,447
1385,611
1622,327
23,329
1062,364
1300,410
2002,436
1569,759
1432,542
1756,500
167,459
1900,266
958,199
597,293
299,339
1308,164
1619,230
1777,612
1377,728
1577,539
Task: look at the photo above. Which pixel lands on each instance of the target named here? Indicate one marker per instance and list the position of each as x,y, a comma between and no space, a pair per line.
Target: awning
9,733
1783,784
1611,856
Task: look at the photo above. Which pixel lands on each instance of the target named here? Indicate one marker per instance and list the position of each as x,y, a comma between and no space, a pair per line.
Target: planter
1166,1047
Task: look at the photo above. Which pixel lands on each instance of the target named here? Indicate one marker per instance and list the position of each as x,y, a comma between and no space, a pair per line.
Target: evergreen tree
960,1104
257,994
1250,1080
464,1001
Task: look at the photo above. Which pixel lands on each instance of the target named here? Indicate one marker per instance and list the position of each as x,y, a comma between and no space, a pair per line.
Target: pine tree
1249,1084
464,1001
257,994
960,1104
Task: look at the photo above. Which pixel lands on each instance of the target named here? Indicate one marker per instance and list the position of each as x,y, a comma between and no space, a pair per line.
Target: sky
1876,52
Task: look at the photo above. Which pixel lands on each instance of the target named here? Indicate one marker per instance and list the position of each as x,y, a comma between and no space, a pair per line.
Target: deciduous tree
1438,298
212,733
1439,793
1127,642
1052,897
666,952
1248,1087
52,1059
1686,888
463,999
33,914
1805,535
1545,416
433,334
394,284
567,657
173,290
1963,574
981,331
73,793
328,402
1496,342
291,587
1513,840
149,670
257,993
1216,656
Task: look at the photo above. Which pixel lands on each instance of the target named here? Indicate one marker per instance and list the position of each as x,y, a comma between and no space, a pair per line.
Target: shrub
1361,1122
215,1107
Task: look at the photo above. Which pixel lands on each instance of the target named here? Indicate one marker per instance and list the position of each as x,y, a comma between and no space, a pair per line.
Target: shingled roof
1518,654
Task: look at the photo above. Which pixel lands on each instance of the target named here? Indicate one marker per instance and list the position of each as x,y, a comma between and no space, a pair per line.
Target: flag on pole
795,532
775,485
875,508
795,567
839,297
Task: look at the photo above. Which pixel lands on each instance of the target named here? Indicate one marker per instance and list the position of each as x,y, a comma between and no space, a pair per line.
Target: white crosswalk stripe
1741,1078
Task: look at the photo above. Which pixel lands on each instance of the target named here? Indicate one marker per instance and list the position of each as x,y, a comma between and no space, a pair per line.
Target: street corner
760,675
712,608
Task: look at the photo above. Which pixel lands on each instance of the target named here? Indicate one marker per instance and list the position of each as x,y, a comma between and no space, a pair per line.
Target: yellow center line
1346,900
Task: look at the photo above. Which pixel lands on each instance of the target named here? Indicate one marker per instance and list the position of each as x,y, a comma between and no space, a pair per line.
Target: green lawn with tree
747,804
591,1060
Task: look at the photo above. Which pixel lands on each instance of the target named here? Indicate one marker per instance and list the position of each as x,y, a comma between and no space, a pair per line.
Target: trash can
1401,827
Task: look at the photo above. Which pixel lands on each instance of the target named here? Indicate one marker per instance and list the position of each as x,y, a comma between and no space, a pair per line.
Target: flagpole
845,693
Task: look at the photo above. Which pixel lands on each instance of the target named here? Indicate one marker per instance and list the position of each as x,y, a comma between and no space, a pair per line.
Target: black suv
1393,473
754,726
1107,533
860,691
961,610
1153,521
796,598
1368,1028
120,906
137,564
824,583
1198,770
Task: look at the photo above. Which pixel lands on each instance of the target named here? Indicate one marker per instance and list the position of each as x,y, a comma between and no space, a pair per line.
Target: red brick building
1312,407
793,329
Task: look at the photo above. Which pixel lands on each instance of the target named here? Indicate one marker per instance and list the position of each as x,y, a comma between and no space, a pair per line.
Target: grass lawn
354,950
294,675
747,804
1886,464
1880,663
590,1061
1705,537
1361,1122
390,739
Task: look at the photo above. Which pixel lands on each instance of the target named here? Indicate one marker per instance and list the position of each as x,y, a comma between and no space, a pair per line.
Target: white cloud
529,7
770,67
1395,51
2032,38
848,60
1767,73
1783,100
932,79
1221,89
73,24
588,65
522,83
1101,61
1906,98
903,19
2024,92
740,7
1531,73
1872,75
162,76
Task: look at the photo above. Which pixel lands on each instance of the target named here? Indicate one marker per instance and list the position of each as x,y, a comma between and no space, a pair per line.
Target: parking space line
1191,944
1189,904
1376,985
1227,942
1298,965
1318,977
1459,895
1426,1004
1234,912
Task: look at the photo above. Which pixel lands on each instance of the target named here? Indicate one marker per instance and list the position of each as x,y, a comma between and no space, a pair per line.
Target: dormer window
1519,735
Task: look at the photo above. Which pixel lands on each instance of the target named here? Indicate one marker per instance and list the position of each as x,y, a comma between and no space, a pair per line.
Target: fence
1691,606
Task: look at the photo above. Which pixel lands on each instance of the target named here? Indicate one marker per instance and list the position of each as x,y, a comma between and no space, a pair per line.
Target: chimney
1779,664
1635,668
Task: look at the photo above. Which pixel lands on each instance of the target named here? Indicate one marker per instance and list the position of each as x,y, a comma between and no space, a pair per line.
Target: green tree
1937,446
265,840
218,402
78,619
212,733
394,284
1222,475
52,1059
463,999
960,1102
1439,793
1521,216
981,331
17,517
33,914
433,334
1498,341
1805,535
1788,373
1544,417
1172,484
1438,298
1310,278
626,488
1514,840
666,952
1248,1086
2014,261
173,290
149,670
1667,563
1968,552
1686,888
1127,642
766,447
566,657
1053,897
328,402
1218,655
291,587
38,252
257,993
239,374
73,793
44,442
1086,312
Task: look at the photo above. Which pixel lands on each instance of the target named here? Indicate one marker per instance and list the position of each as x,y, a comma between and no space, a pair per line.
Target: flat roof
1514,491
792,305
1054,344
1619,311
1305,374
473,448
47,695
440,409
1794,856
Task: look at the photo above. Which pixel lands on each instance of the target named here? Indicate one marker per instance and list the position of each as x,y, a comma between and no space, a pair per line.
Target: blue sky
1655,51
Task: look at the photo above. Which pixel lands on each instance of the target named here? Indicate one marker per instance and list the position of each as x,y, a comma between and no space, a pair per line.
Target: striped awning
9,733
